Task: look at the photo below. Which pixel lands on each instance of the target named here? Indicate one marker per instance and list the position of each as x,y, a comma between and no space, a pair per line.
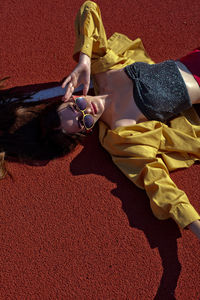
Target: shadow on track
160,234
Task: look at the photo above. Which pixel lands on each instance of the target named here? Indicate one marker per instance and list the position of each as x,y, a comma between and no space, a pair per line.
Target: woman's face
71,118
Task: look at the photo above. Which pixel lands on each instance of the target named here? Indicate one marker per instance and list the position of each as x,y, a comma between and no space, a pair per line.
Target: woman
144,151
130,94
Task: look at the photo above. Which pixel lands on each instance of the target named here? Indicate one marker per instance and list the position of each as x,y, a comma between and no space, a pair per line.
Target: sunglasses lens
81,103
89,121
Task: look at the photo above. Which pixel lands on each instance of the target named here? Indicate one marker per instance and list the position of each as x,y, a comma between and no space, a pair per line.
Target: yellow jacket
147,151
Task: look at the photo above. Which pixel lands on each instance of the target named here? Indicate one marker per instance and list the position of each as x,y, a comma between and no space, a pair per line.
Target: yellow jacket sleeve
138,151
90,33
114,53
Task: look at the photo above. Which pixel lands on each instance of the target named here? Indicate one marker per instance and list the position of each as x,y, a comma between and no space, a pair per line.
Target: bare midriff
192,86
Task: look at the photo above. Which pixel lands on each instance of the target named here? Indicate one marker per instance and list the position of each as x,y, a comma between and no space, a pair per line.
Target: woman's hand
80,75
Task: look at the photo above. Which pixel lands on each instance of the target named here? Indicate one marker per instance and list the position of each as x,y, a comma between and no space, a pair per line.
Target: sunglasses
81,105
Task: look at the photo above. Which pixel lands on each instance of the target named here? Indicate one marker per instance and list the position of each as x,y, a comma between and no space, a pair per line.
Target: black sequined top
159,90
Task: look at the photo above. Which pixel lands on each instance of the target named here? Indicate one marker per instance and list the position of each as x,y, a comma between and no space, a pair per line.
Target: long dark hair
28,131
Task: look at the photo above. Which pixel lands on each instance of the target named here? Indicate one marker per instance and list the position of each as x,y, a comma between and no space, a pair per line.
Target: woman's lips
94,108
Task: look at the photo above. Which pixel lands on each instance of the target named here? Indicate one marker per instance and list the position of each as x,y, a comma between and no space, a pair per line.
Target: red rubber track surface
76,228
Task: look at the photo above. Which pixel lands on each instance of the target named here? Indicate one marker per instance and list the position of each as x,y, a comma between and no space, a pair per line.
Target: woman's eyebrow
71,107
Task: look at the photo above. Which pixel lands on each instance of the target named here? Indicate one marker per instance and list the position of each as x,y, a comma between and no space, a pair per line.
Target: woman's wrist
195,228
84,58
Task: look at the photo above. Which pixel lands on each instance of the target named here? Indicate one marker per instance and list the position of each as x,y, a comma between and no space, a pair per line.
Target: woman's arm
91,42
141,153
90,33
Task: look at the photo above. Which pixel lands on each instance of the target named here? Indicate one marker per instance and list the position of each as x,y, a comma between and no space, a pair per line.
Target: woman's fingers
74,80
69,92
86,89
72,83
80,75
68,79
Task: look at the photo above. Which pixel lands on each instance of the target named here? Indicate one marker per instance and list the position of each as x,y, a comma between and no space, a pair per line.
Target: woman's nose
79,113
88,110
